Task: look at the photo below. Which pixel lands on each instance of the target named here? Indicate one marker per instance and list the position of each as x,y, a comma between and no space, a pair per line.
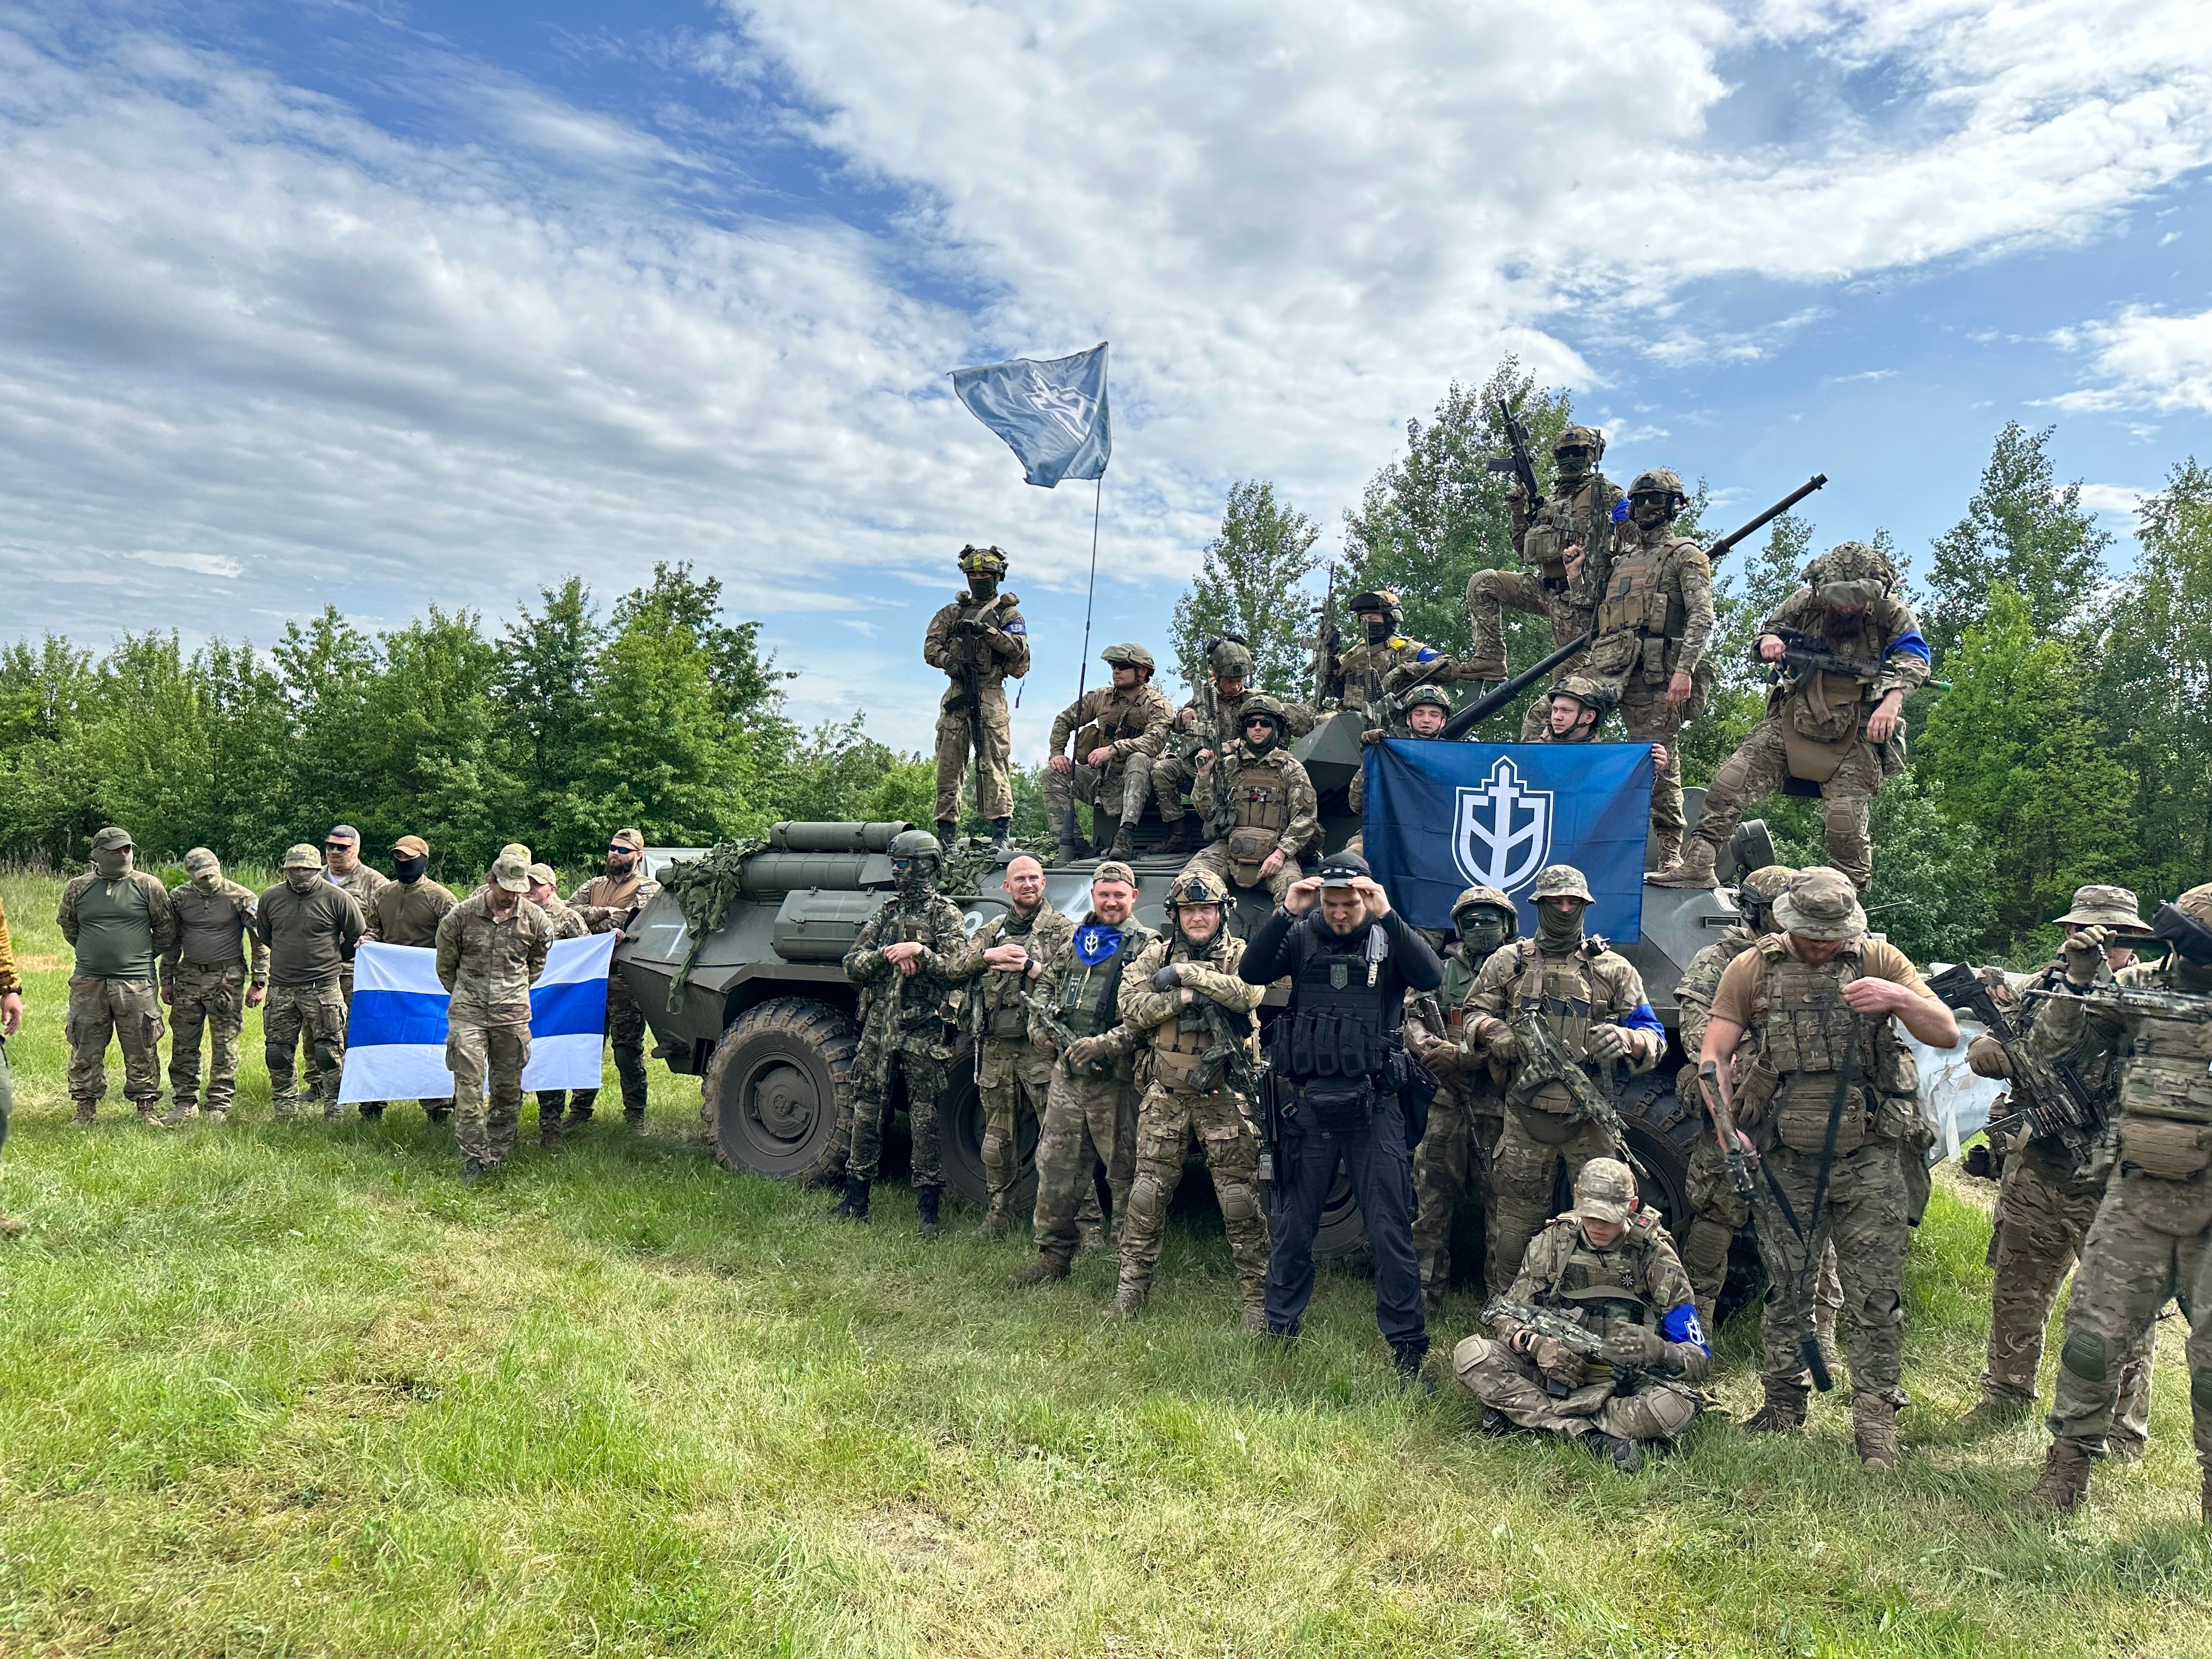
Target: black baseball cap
1342,869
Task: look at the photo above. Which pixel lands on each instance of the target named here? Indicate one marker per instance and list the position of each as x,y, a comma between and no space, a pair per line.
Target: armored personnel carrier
764,1016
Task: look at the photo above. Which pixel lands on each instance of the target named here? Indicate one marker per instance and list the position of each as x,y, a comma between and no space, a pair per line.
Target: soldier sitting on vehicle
1204,728
1118,732
1363,676
1257,798
1578,706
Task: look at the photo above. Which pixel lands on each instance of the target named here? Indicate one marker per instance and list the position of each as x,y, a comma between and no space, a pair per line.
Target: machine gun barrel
1721,547
1497,696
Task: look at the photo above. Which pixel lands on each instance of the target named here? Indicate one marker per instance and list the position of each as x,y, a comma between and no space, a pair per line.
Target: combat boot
372,1111
947,829
180,1114
1873,1431
1693,869
1044,1267
549,1131
1255,1316
1626,1456
925,1201
1182,837
1070,851
1409,1359
1129,1298
2065,1480
1124,846
1101,827
854,1206
332,1112
998,1221
150,1116
1490,668
1782,1414
85,1111
444,1113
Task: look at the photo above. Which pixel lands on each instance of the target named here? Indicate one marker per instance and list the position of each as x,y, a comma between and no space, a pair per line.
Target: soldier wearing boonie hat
491,948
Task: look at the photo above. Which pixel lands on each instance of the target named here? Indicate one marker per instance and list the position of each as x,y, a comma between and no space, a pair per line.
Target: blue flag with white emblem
1444,816
1052,412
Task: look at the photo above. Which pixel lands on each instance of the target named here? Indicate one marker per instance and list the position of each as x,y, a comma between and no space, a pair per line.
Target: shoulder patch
1017,626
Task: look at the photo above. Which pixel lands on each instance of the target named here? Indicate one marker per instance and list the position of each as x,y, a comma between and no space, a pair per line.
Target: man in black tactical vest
1340,1062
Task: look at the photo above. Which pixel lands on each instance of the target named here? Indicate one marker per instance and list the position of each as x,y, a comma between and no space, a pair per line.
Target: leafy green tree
1251,583
545,677
424,747
2022,532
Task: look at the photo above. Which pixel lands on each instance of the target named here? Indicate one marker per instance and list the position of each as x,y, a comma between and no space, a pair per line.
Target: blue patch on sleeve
1681,1325
1017,626
1425,654
1621,511
1911,641
1640,1018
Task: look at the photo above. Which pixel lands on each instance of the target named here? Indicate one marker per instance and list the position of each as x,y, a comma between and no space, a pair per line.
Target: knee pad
1238,1202
2084,1356
1706,1247
1147,1201
1664,1413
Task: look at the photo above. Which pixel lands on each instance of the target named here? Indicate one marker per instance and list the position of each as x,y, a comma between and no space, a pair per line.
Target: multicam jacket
490,962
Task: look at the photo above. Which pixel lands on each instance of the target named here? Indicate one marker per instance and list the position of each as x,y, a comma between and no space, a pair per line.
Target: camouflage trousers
994,789
1646,716
487,1062
1453,1156
1510,1386
1759,768
2045,1210
1490,594
2152,1240
1864,1215
130,1012
877,1068
1119,786
1166,1121
1717,1211
1013,1078
626,1034
1522,1170
1172,777
317,1012
1213,859
1087,1121
208,997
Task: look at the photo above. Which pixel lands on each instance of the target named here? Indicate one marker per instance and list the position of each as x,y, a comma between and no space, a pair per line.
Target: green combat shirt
119,928
489,964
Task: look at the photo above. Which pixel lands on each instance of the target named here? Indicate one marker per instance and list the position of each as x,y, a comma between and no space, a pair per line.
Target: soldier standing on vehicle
1467,1114
1423,713
1182,997
1591,1000
561,922
1579,516
1607,1266
899,962
606,903
208,985
1008,955
406,910
2152,1239
1118,731
1341,1070
1654,619
1091,1109
1260,805
311,928
979,641
1801,1041
1833,719
491,949
1384,661
1204,728
118,919
11,1021
2047,1199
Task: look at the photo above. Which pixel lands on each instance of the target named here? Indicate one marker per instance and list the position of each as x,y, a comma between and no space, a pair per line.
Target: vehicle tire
1662,1129
780,1075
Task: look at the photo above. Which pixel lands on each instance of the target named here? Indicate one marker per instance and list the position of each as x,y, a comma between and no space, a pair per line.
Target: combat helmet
2186,925
1590,693
1195,887
1260,704
1852,574
1127,656
1231,658
1428,694
1659,481
916,844
1561,881
1495,899
987,561
1586,437
1383,599
1756,893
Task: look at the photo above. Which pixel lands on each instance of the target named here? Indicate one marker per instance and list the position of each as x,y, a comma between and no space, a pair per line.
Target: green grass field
294,1390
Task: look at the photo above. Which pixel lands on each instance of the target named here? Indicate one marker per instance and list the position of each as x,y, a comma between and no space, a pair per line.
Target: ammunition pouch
1801,1116
1815,759
1011,1025
2166,1148
1249,848
1343,1106
1547,1116
1171,1068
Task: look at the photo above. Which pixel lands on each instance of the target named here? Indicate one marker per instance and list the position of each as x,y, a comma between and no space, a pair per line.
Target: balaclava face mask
209,880
982,585
1572,465
409,871
1378,632
1267,739
1483,931
111,864
1558,930
1649,512
916,879
303,879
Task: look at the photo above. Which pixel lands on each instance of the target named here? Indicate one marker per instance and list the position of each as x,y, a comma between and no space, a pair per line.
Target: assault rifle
2049,1095
1046,1018
1228,1059
1724,1130
1720,549
2138,1002
1498,696
1544,1059
1325,641
969,633
1807,652
1517,458
1556,1327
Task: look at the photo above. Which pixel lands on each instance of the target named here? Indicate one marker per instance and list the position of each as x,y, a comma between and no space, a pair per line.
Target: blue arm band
1911,641
1640,1018
1681,1325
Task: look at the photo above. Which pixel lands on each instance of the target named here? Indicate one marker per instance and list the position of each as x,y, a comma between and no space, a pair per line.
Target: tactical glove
1607,1043
1556,1360
1497,1039
1168,978
1084,1051
1633,1344
2084,951
1985,1057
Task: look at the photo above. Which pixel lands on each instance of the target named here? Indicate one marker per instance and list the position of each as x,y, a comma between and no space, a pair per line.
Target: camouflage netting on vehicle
969,859
704,889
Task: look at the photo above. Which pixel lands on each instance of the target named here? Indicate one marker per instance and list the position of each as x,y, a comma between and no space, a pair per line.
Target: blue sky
385,306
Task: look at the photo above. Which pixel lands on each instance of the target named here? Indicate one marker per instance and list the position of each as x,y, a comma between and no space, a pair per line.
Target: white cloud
2117,499
200,564
2147,359
1862,376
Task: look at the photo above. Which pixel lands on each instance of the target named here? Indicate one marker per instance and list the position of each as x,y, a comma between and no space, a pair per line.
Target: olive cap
627,838
1113,870
542,875
301,856
113,839
1820,903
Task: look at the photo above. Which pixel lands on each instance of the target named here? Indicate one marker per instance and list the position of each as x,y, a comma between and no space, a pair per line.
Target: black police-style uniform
1337,1061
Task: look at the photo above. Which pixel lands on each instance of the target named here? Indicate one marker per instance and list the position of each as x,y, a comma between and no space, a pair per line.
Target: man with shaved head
1005,959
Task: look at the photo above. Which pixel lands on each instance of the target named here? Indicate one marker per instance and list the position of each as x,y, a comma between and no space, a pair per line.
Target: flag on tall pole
1051,412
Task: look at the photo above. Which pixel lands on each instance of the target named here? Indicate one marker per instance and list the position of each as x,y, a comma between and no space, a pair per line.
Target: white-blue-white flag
396,1031
1052,412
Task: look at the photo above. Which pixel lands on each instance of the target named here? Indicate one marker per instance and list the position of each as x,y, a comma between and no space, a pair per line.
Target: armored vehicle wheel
1662,1129
960,1145
780,1074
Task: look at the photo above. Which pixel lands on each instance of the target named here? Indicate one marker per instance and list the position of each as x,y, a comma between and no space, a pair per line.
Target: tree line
2073,744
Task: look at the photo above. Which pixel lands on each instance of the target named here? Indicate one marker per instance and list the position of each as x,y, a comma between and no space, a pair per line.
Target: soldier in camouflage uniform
344,871
208,985
1421,715
561,922
1091,1109
1119,731
981,634
1593,1000
491,949
606,903
1573,713
1786,1020
1843,732
899,962
1192,1070
2045,1203
1578,514
2152,1238
1260,804
311,928
117,920
1654,619
1468,1113
1383,663
1204,728
1609,1266
1007,956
